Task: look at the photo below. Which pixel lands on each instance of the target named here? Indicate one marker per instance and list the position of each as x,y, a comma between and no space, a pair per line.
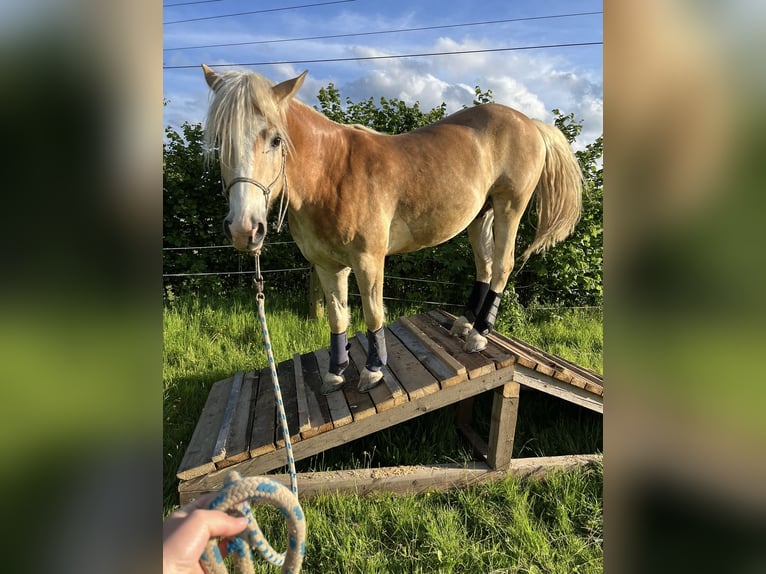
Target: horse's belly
406,236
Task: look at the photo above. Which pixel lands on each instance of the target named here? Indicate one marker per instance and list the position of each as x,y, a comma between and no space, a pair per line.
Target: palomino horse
354,196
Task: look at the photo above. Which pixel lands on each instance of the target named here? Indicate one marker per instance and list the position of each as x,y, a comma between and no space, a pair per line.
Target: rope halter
284,199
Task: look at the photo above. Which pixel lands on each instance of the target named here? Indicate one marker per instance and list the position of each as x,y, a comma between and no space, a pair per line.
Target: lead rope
237,492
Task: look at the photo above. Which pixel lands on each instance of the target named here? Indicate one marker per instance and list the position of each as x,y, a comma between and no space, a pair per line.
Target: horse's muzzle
249,241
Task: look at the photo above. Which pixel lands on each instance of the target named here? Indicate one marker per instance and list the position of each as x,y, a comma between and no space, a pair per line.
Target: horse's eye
276,142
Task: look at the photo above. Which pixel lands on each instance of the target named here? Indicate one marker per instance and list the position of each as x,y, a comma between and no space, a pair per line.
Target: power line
393,56
189,3
381,32
258,11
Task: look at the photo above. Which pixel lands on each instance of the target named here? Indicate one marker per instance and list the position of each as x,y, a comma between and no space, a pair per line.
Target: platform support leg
502,429
464,412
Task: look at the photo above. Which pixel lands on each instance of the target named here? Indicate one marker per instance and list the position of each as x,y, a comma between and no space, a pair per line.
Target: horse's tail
559,192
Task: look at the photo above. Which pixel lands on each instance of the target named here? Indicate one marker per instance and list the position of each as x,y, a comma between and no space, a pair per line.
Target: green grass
548,525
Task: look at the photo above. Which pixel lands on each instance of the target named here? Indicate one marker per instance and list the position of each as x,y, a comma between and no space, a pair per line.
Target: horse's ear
211,77
287,89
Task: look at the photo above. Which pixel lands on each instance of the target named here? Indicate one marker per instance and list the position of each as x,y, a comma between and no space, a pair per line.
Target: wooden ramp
427,369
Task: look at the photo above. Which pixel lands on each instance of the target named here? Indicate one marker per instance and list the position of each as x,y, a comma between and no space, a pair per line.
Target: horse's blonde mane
240,102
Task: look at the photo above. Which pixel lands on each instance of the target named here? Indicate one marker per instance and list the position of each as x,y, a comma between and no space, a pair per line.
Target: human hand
186,532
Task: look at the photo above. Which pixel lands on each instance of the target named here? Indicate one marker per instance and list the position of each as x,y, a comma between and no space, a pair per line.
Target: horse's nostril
226,230
257,233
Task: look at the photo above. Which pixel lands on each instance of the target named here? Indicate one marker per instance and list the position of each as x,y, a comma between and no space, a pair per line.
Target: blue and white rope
237,491
278,395
235,496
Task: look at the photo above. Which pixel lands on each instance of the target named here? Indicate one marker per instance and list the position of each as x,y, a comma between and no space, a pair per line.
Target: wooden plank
535,380
287,385
522,358
582,372
198,458
475,363
264,411
502,427
496,353
532,357
446,319
360,404
501,357
562,369
412,479
336,401
380,395
389,379
444,366
413,376
238,442
304,421
347,433
219,450
319,412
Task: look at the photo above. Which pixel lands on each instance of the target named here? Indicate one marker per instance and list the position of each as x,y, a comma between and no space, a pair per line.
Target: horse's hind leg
483,246
335,286
506,225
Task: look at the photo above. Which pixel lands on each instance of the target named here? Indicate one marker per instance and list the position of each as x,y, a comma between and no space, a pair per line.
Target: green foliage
390,116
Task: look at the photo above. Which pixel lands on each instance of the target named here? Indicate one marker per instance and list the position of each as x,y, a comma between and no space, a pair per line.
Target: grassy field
550,525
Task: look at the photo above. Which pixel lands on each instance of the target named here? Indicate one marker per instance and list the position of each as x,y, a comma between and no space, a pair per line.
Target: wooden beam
444,366
412,479
237,446
198,458
478,444
502,427
550,385
264,416
304,420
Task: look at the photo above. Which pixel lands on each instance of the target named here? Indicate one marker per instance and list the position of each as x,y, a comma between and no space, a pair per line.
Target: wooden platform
426,370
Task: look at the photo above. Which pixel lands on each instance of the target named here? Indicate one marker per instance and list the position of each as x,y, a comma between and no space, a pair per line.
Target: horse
353,196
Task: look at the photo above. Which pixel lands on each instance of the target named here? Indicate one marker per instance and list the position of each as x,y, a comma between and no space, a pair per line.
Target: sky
534,81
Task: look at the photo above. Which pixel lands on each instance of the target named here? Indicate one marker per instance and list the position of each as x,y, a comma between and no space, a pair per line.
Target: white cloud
532,82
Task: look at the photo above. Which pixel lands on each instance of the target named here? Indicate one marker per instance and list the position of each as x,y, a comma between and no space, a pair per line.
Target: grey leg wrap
376,350
475,300
338,353
488,313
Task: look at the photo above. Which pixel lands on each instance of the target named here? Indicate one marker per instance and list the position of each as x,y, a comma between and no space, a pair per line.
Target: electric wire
382,32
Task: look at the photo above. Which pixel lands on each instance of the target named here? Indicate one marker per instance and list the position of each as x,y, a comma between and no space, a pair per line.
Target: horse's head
247,123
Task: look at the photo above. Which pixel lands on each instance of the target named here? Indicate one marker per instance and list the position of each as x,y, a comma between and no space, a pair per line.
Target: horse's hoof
331,382
461,327
475,342
368,379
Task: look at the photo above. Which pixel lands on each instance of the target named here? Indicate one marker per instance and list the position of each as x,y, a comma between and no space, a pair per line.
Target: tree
391,116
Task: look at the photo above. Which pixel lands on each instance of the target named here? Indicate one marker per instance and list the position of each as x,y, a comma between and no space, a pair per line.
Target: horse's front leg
369,278
335,286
